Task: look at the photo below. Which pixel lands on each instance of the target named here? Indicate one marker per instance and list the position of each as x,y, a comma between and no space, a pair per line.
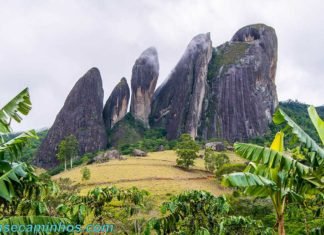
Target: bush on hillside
214,160
187,150
86,174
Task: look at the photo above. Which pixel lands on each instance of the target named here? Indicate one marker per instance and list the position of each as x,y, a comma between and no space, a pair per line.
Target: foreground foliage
100,206
275,174
22,193
200,212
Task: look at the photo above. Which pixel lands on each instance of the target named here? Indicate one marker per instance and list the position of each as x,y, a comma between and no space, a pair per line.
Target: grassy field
155,173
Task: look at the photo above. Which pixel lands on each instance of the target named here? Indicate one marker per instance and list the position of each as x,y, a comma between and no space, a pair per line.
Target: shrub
172,144
187,150
230,168
56,170
126,149
214,161
85,158
85,171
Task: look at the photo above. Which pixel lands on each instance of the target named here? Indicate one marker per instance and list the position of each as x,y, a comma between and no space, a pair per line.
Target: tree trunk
281,225
64,164
71,162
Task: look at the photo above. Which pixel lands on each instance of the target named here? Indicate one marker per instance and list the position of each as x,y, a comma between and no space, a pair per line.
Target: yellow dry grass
155,173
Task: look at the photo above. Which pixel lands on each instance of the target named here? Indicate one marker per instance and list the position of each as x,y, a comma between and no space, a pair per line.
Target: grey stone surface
241,93
108,155
116,106
145,74
80,116
227,92
139,153
216,146
177,103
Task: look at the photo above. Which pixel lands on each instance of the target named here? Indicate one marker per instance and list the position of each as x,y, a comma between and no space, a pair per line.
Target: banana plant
13,172
18,183
315,153
273,173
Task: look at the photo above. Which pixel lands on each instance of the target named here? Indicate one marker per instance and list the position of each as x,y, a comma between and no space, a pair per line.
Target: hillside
33,145
298,112
155,173
128,131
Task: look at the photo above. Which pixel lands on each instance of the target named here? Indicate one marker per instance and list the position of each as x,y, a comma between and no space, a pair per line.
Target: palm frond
20,105
15,146
317,122
10,172
246,179
270,158
280,117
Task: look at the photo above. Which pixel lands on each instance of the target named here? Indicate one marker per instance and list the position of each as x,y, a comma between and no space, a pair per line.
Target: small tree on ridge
187,150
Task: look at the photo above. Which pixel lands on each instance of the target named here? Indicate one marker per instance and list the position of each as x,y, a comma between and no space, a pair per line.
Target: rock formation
241,95
116,106
107,156
80,116
177,103
139,153
215,146
227,92
144,77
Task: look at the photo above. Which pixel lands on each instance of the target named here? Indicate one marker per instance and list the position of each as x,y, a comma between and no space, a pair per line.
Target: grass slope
155,173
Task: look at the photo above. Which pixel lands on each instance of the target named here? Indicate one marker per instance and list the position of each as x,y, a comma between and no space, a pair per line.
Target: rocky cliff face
80,116
144,77
226,92
241,95
177,103
116,106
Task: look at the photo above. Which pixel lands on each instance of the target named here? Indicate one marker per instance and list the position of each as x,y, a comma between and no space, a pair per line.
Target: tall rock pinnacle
116,106
177,103
80,116
144,78
241,95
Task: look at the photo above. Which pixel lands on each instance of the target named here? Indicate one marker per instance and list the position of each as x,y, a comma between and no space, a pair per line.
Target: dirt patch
148,178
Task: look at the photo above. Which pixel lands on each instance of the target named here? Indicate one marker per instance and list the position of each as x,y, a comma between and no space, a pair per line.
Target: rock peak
123,80
149,51
116,106
145,74
177,103
148,59
254,32
241,95
80,116
200,41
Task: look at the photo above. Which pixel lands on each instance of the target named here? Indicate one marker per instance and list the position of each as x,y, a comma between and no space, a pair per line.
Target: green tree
86,174
214,161
68,150
187,151
274,173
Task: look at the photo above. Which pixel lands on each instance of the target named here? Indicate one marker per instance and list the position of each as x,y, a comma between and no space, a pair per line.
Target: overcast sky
48,45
